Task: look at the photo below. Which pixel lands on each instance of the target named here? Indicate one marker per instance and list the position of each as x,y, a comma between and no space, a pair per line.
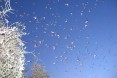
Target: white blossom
11,46
11,53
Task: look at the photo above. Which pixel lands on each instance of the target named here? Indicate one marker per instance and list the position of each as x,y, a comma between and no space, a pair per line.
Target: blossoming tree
11,46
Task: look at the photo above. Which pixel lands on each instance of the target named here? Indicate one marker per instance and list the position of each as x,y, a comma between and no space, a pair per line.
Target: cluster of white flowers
11,53
11,47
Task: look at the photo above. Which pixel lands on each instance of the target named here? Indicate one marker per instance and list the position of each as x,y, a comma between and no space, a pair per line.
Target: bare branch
6,10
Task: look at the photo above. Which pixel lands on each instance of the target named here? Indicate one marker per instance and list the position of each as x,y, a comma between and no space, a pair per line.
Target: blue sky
72,38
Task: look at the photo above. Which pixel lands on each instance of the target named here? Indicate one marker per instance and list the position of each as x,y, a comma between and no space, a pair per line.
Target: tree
38,71
11,46
12,49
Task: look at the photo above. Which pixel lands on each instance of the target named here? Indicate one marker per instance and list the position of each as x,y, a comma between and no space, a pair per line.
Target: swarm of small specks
11,53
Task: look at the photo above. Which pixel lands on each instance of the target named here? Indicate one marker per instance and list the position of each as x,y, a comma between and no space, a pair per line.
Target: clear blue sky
72,38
